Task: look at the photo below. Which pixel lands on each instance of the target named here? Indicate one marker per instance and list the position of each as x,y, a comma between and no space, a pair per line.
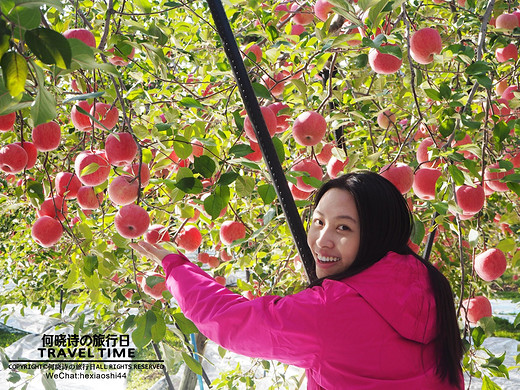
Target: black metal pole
262,134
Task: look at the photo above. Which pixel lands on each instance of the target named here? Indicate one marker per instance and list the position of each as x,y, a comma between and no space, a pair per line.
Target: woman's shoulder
399,289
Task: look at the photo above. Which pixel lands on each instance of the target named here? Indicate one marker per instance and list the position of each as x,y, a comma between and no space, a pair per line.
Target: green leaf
245,185
40,3
190,102
205,166
214,204
85,96
227,178
418,231
478,68
83,58
190,185
393,50
278,146
488,384
50,47
185,325
25,18
360,61
192,363
129,322
44,108
262,91
515,187
142,335
35,190
478,336
15,71
144,5
445,91
158,329
484,81
90,265
153,280
267,193
456,174
433,94
240,150
517,320
446,126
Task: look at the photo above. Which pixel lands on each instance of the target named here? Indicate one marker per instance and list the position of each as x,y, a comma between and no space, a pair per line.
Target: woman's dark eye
344,227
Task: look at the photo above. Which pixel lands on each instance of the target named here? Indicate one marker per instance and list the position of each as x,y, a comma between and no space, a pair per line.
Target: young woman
378,317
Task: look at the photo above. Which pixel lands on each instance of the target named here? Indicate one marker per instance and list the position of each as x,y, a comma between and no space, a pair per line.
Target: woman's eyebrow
339,216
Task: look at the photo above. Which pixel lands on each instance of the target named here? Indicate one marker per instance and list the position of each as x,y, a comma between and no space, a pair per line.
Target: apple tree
121,120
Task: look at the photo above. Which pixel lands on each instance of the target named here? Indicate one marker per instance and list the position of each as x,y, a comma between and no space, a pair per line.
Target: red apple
424,182
400,175
256,52
157,233
13,159
302,17
424,43
492,176
143,170
82,34
81,121
335,166
213,261
423,155
88,199
131,221
325,153
154,286
476,308
508,93
120,61
510,52
507,21
231,231
67,185
46,231
275,84
270,121
120,149
54,207
322,9
309,128
501,86
256,155
220,280
189,238
297,29
299,194
470,198
106,114
97,166
385,119
490,264
32,153
46,136
383,63
312,168
123,190
7,121
281,119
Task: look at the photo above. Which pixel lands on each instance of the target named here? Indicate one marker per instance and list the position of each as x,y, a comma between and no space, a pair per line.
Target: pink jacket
373,330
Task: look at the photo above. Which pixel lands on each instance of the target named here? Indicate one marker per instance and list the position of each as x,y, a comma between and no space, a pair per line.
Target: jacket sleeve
286,329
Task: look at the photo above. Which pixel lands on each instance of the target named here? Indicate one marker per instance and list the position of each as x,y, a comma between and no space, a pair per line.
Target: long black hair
385,219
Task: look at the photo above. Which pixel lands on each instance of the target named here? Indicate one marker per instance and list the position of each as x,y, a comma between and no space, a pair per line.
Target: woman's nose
324,239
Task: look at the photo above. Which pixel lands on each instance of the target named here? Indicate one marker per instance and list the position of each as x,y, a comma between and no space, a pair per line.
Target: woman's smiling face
334,232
